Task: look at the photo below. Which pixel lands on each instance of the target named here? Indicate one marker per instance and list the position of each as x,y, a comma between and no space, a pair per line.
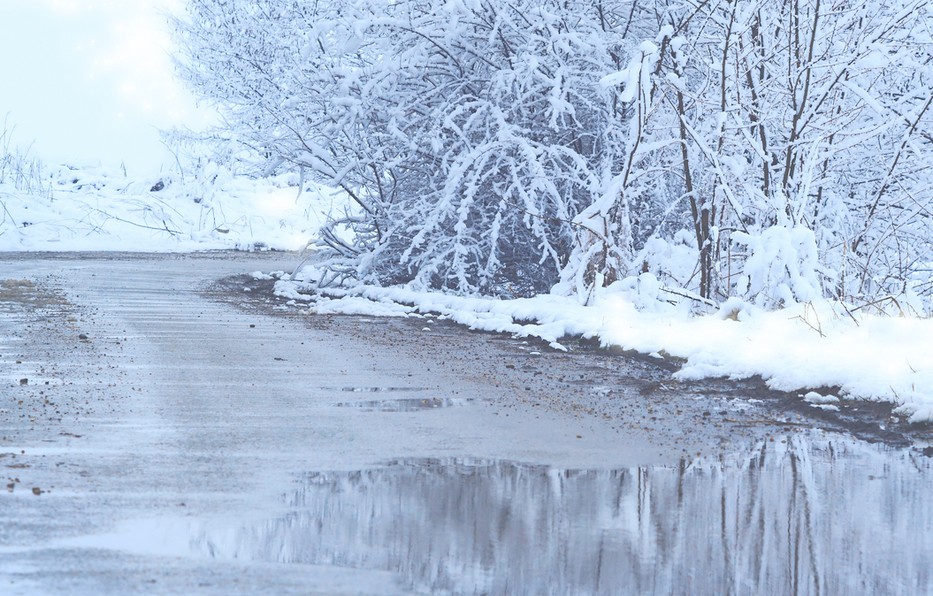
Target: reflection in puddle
374,389
812,515
404,405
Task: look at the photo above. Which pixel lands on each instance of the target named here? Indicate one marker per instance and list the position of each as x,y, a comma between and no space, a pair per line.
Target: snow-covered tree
809,115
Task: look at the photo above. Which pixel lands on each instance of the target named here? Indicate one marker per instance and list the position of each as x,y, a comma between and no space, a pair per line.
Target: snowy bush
471,134
781,267
673,261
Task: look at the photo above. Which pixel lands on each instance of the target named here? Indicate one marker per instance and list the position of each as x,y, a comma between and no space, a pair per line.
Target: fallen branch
691,296
139,225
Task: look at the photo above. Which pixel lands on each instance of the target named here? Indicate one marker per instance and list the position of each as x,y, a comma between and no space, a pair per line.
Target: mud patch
44,357
24,293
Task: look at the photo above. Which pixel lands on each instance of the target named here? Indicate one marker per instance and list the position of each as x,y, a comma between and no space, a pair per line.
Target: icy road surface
165,432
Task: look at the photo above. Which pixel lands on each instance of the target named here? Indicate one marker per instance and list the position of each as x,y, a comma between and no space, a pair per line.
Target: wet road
159,434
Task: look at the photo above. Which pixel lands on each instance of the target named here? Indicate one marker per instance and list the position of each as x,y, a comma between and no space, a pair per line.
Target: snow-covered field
104,210
821,346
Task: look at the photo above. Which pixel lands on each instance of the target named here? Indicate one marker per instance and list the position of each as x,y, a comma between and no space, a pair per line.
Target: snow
813,397
102,209
796,348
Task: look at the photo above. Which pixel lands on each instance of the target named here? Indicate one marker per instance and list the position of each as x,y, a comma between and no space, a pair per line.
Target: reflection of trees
803,516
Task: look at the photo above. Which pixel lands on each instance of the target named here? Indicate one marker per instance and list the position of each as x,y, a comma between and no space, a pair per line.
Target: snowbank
797,348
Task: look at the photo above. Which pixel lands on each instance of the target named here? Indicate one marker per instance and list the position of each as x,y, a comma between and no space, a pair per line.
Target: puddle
373,389
808,514
407,404
404,405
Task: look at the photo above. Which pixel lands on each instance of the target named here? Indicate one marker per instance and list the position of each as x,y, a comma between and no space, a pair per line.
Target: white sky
91,81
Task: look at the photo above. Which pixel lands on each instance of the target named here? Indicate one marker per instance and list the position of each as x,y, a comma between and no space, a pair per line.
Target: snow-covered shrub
515,128
782,267
674,261
471,134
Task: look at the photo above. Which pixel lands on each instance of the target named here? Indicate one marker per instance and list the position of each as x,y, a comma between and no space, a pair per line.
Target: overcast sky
91,81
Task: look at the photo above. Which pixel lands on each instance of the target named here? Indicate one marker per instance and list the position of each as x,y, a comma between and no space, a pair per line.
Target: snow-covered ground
104,210
821,346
